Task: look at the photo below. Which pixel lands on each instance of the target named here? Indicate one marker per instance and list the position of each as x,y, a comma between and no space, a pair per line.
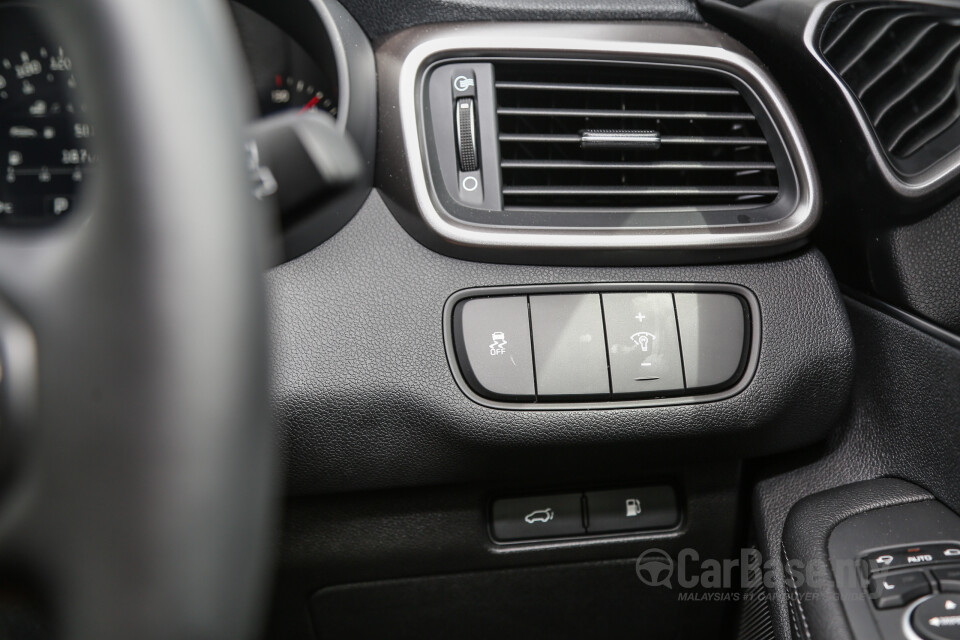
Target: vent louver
902,62
696,143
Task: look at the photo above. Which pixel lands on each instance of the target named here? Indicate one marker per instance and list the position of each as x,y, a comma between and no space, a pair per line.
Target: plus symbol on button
640,316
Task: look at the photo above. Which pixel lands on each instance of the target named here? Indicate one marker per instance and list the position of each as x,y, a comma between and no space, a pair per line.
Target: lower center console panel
913,565
424,563
877,560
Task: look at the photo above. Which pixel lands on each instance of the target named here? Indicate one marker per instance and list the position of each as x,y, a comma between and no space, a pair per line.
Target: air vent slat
841,31
612,113
898,52
902,61
617,88
664,140
916,138
667,166
917,120
708,149
898,94
638,191
871,40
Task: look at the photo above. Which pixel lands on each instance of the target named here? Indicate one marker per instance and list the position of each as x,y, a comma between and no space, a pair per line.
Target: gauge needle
310,105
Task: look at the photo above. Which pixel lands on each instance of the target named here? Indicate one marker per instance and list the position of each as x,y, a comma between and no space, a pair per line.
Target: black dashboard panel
379,18
366,398
394,465
420,505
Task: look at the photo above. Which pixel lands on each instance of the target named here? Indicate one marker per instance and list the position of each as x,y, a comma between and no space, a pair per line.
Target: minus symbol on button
645,379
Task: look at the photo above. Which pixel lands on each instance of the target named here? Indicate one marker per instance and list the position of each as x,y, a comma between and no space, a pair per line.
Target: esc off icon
498,346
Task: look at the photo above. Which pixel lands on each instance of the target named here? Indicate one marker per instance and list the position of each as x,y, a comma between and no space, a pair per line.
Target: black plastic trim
918,323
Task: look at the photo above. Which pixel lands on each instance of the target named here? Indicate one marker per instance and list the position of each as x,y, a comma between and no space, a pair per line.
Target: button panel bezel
679,524
749,368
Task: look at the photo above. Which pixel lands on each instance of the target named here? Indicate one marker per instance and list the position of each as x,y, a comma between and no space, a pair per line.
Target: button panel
590,513
897,576
912,556
605,346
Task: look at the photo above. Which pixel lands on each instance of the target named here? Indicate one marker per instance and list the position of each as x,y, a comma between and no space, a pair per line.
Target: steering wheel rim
141,492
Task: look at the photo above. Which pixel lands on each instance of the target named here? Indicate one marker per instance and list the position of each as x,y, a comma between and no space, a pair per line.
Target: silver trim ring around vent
913,186
697,46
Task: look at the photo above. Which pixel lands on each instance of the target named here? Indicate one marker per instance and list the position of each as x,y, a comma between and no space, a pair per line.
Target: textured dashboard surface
918,266
380,17
366,399
902,423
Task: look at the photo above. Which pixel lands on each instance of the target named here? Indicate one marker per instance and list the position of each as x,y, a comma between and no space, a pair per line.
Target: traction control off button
492,338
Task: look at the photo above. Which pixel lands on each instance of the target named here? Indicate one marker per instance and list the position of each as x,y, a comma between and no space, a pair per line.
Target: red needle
310,105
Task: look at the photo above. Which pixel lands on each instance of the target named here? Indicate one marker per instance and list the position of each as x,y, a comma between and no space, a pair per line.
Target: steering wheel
138,459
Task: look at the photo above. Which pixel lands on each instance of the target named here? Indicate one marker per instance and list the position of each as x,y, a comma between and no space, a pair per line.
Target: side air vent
901,61
588,135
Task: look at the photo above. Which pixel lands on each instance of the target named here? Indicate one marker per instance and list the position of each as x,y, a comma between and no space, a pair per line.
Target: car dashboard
613,279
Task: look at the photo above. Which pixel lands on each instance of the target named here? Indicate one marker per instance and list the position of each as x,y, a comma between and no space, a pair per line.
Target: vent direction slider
619,139
466,135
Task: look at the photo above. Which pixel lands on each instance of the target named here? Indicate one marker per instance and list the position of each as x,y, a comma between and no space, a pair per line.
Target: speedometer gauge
44,133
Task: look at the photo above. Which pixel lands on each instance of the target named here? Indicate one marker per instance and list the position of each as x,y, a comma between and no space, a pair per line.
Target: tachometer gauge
284,75
295,93
44,133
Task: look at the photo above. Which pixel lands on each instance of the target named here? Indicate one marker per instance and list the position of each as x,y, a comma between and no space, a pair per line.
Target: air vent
620,136
901,61
601,137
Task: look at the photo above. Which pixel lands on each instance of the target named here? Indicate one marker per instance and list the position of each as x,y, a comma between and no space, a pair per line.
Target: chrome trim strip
666,44
609,139
913,186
